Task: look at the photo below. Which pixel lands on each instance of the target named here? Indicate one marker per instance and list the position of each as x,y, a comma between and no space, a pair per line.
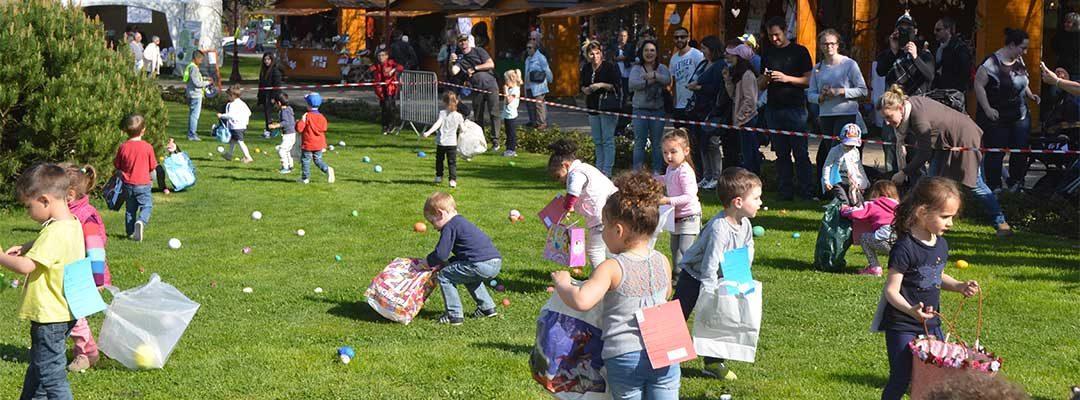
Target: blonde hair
884,188
513,77
133,125
892,98
450,100
439,201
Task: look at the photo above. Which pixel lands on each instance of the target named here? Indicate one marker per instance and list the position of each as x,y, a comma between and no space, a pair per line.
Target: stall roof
487,12
366,4
691,1
397,13
587,9
290,11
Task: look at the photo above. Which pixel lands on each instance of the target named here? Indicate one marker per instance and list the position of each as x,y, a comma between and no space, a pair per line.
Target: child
43,189
312,129
236,118
740,193
680,183
135,160
449,126
871,223
587,190
386,73
288,131
475,259
842,173
916,275
510,110
82,182
636,277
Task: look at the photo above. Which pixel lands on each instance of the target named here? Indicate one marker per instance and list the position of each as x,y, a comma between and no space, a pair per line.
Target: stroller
1061,131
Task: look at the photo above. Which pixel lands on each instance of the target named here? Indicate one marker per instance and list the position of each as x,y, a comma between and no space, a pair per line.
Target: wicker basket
935,361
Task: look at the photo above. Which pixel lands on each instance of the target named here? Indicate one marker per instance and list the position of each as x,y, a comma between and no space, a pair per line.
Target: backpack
952,98
834,238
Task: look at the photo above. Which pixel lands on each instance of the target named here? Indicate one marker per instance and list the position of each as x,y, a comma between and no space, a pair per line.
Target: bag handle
949,323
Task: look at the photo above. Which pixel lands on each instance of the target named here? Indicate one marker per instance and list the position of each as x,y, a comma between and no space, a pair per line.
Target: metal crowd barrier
418,99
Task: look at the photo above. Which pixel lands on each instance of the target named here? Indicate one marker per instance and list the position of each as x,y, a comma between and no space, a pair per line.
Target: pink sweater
681,186
870,216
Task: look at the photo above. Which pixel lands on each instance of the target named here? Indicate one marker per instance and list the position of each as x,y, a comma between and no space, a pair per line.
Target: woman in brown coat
936,129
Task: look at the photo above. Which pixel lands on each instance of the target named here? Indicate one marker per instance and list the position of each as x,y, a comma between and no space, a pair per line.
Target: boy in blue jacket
475,259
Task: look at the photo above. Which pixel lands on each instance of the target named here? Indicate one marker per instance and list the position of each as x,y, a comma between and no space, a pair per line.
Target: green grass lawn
280,341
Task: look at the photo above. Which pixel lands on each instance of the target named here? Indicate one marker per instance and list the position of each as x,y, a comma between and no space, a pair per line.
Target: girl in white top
449,126
236,118
510,110
587,190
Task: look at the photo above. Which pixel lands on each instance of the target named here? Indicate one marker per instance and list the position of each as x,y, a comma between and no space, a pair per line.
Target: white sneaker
304,181
438,179
453,184
330,174
138,235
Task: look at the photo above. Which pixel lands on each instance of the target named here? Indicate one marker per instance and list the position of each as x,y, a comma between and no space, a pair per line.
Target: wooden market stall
509,22
562,30
701,17
306,48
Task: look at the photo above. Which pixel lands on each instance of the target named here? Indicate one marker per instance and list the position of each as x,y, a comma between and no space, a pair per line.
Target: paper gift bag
400,290
663,330
80,292
553,212
727,325
180,170
566,245
566,359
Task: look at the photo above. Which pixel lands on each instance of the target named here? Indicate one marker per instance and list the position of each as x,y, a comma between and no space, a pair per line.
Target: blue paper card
736,269
834,176
80,292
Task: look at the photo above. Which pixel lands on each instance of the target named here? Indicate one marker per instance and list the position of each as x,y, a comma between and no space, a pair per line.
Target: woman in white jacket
236,118
535,65
152,57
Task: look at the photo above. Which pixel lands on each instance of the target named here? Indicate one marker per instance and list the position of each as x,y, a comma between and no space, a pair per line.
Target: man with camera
909,65
476,64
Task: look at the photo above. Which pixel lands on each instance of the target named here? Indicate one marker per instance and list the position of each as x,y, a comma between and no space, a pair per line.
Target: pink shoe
875,271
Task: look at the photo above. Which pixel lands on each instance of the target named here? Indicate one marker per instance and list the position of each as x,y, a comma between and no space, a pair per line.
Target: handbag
608,100
537,76
114,192
221,132
565,245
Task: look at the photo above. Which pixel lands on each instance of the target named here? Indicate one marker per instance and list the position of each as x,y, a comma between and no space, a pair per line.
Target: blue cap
313,99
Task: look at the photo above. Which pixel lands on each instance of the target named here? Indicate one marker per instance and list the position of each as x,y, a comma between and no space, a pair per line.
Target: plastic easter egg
378,168
759,231
420,227
174,243
300,232
961,264
146,356
256,215
796,235
366,159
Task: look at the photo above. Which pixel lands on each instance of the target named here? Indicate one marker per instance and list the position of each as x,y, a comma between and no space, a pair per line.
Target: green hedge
1026,212
537,140
63,92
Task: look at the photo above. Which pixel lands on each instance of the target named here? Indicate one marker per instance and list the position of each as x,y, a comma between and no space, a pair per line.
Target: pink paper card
667,339
553,212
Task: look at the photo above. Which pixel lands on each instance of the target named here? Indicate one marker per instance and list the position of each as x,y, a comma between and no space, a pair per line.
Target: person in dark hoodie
712,104
270,76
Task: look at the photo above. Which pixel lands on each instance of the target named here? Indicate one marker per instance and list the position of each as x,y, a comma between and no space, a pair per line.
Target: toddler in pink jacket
871,223
680,186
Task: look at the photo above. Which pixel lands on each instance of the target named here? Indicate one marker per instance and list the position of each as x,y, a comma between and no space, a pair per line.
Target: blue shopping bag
114,193
221,132
180,170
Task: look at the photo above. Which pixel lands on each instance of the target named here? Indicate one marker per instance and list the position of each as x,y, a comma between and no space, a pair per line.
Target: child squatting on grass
740,193
43,189
916,276
135,160
449,126
636,277
587,191
871,223
466,256
82,180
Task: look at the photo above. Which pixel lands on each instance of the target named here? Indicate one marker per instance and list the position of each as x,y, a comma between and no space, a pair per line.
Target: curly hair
930,193
563,150
637,203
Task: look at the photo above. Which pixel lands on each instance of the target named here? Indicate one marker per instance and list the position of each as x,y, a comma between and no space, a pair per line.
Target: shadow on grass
14,353
283,179
361,311
519,349
789,264
868,380
393,182
525,280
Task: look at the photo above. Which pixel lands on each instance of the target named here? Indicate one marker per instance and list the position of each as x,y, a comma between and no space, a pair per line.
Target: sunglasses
682,37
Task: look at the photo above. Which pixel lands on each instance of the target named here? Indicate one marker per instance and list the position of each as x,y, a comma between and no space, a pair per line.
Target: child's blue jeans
139,205
305,163
46,376
472,275
896,344
631,377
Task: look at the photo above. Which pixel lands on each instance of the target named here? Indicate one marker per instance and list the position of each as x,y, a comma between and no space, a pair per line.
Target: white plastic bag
566,359
727,325
471,140
143,324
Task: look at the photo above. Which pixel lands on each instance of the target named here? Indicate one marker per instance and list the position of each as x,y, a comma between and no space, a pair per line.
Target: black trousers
268,111
687,290
487,104
449,153
389,114
511,134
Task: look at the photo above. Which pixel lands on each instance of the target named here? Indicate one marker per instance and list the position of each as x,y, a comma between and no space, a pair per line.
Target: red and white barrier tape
761,130
335,85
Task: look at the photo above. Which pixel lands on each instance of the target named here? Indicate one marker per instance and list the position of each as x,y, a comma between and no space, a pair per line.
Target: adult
477,65
385,74
137,50
448,48
537,77
152,57
648,81
403,52
682,66
196,84
787,67
1060,79
936,129
952,57
740,80
622,55
712,104
903,64
600,84
1001,87
1065,44
270,76
836,85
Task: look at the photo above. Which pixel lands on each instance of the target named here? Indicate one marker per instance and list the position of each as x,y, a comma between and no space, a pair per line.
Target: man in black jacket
907,65
953,58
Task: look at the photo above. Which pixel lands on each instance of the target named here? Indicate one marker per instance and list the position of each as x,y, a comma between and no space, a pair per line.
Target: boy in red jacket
312,130
135,161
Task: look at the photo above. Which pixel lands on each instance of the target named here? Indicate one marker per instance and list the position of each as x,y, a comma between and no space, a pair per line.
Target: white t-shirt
592,188
682,71
510,110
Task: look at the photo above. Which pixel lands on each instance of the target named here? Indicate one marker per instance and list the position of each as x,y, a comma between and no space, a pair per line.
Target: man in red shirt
134,161
312,130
